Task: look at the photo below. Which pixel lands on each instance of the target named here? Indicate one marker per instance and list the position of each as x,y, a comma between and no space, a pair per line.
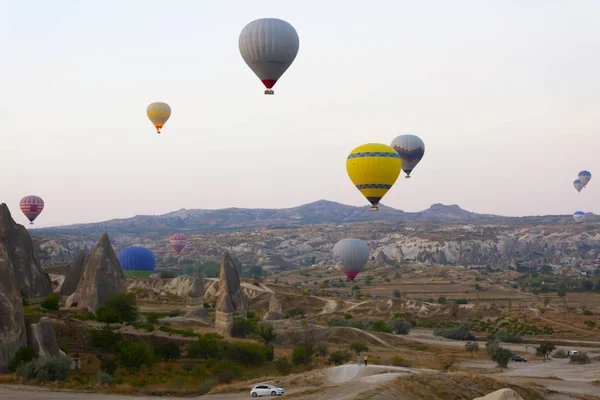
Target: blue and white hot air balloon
584,177
578,185
579,216
411,150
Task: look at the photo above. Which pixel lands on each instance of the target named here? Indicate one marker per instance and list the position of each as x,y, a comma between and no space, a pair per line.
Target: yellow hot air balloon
159,114
373,168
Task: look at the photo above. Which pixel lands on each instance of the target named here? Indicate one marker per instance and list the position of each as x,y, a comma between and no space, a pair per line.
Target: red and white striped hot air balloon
31,206
178,242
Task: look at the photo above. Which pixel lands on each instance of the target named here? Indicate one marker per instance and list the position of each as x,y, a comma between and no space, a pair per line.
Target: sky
504,94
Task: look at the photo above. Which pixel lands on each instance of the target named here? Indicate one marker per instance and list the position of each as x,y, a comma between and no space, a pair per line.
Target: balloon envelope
578,185
579,216
137,261
373,168
159,114
269,46
584,177
178,242
31,206
411,150
353,254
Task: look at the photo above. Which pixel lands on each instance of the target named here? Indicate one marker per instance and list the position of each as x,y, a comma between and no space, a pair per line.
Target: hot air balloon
159,114
373,168
584,177
137,261
353,254
411,149
178,242
31,206
579,216
269,46
578,185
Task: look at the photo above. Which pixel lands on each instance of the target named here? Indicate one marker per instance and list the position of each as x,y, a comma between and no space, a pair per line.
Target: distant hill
229,219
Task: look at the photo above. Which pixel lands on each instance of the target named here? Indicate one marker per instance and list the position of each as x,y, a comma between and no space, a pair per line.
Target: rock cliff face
195,295
102,275
31,279
231,300
43,338
275,311
73,275
502,394
12,324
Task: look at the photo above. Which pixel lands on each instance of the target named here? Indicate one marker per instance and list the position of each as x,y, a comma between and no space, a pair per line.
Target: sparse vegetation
544,349
339,357
498,354
24,354
462,332
51,303
45,369
471,347
581,358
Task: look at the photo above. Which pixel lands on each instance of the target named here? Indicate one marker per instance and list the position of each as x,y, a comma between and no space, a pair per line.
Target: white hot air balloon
579,216
269,46
411,150
353,254
578,185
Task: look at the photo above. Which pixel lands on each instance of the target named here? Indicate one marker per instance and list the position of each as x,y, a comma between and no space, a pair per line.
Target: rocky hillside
446,235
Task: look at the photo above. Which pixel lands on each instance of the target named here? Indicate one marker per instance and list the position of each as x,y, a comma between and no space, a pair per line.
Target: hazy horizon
505,97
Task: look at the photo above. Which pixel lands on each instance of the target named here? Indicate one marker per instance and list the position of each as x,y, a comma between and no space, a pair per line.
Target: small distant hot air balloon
269,46
579,216
178,242
411,149
584,177
353,254
373,168
159,114
578,185
137,261
31,206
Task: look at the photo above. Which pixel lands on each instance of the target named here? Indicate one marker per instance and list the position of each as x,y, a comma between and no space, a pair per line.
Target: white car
572,353
266,390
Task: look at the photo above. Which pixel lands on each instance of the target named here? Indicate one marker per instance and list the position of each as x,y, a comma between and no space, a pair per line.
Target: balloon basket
31,223
407,177
374,208
269,91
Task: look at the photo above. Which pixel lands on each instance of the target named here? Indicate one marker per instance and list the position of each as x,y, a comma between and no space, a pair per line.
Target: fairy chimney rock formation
42,338
231,300
12,323
31,279
195,295
73,275
275,310
101,276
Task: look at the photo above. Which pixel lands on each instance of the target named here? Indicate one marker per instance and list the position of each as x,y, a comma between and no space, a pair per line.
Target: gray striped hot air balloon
411,150
269,46
353,254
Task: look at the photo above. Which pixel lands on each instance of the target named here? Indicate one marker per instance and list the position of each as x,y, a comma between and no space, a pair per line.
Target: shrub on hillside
398,361
340,357
509,337
300,356
24,354
380,326
247,353
243,327
45,369
283,366
359,347
104,378
108,364
266,332
207,346
124,304
226,371
581,358
560,353
132,355
167,350
400,326
167,275
108,316
51,303
103,338
462,332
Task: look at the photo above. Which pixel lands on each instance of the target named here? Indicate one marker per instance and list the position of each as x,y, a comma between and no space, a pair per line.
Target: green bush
167,350
51,303
45,369
226,371
461,301
292,313
123,304
509,337
246,353
108,364
132,355
32,315
400,326
398,361
207,346
442,300
462,332
340,357
581,358
167,275
23,355
243,327
266,332
283,366
359,347
108,316
380,326
105,378
301,356
560,353
347,316
588,312
103,338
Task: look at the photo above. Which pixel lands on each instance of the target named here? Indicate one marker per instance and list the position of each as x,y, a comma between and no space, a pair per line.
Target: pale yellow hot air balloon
159,114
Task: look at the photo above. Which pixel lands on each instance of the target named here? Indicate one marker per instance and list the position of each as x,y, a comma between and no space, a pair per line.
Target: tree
108,316
300,356
471,347
359,347
400,326
167,350
545,349
477,288
498,354
562,293
123,304
546,301
266,332
51,303
132,355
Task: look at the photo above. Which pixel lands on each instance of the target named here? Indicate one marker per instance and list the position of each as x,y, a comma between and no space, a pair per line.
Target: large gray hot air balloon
353,254
269,46
411,150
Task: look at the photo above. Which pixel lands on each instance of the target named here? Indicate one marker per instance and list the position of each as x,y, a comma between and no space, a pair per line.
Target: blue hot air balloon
137,261
584,177
579,216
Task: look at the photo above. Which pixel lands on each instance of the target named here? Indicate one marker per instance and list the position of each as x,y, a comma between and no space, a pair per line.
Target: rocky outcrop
31,279
197,312
42,338
12,324
231,300
502,394
275,311
73,275
101,276
195,295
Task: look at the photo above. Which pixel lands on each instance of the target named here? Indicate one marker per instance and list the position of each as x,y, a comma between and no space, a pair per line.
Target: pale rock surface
73,275
231,300
42,338
502,394
275,311
102,275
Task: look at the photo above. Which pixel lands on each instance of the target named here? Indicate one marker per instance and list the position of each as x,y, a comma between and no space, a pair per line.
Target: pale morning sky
505,95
